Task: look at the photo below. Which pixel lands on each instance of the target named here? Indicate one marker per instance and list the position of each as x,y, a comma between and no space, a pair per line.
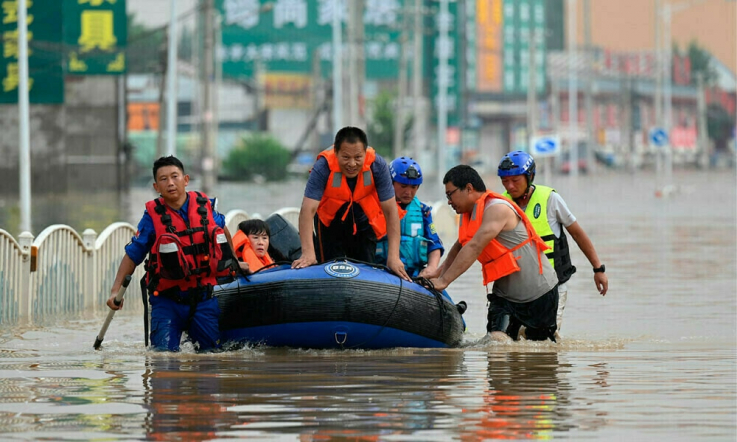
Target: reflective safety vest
186,255
413,246
244,251
496,260
559,253
337,194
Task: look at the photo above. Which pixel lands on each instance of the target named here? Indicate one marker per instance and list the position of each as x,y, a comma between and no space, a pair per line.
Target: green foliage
719,124
380,130
381,127
701,64
258,155
145,46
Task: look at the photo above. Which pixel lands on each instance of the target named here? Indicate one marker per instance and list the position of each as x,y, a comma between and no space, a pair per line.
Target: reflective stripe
337,179
367,178
168,247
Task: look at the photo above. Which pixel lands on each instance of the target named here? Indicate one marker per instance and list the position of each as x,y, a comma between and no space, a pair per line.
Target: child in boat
252,245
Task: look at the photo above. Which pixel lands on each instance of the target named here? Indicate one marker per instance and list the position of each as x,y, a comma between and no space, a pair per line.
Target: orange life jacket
496,260
337,193
185,254
244,251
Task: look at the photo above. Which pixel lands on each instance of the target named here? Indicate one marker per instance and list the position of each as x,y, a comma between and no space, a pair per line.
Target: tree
380,128
145,46
701,63
258,155
719,125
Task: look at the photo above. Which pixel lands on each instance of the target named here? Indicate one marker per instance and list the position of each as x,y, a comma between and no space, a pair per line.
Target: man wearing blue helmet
420,248
548,212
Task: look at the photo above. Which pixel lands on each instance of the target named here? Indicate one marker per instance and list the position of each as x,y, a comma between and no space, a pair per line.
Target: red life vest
185,255
244,251
496,260
337,193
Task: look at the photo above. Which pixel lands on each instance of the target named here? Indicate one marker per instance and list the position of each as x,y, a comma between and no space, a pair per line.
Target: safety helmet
517,163
405,170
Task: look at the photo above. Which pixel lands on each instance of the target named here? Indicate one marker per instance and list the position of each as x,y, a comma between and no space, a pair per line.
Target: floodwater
653,360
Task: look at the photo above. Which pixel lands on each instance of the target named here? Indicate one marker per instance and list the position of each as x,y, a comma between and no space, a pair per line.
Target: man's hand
439,284
602,282
111,302
397,267
245,268
430,272
305,260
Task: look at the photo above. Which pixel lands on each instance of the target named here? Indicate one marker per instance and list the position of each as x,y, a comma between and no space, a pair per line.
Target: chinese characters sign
286,35
45,75
95,34
523,20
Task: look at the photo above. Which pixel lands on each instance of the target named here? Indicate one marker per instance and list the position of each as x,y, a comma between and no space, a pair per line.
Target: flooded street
656,359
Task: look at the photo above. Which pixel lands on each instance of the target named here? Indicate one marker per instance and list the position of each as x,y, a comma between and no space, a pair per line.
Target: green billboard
45,73
95,35
287,35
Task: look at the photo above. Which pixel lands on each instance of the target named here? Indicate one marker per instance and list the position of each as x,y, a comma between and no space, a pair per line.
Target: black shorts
339,241
538,316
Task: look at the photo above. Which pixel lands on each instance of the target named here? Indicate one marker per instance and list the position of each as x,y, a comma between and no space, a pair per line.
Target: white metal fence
61,271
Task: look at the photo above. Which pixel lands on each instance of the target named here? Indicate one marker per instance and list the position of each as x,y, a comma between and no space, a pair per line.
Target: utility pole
337,29
355,28
418,124
208,149
171,85
703,136
572,87
399,120
24,134
668,95
462,106
443,77
658,66
588,86
531,88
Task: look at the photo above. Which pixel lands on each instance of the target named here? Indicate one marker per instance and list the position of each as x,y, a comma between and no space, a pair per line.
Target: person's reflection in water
182,398
526,398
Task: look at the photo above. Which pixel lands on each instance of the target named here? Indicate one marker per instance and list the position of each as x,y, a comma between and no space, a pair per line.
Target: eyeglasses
450,194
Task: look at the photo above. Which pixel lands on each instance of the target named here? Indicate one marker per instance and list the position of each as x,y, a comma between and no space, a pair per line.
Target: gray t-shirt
527,284
318,180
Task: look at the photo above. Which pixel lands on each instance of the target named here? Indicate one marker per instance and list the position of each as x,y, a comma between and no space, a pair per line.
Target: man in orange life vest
188,248
497,232
350,198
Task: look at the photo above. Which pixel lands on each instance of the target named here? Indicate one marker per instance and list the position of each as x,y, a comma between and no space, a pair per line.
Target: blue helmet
517,163
405,170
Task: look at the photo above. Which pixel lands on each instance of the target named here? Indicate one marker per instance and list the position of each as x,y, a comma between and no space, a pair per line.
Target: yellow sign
287,90
490,19
97,31
10,81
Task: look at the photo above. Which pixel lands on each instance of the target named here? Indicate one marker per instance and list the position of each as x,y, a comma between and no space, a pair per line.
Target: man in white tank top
511,253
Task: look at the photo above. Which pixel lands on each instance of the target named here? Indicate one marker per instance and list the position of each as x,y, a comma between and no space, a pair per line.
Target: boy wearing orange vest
497,233
251,244
349,203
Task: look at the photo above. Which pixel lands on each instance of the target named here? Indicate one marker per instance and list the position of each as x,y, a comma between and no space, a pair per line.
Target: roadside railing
61,271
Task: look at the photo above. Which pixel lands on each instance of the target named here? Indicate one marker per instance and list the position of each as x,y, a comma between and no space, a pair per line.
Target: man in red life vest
350,199
497,232
188,248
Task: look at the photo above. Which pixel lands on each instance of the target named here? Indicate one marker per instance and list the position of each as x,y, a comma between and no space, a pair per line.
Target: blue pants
170,318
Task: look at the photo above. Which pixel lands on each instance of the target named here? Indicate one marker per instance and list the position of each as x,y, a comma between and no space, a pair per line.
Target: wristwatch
601,269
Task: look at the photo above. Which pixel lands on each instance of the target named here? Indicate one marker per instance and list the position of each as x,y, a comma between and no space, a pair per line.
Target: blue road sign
545,146
658,136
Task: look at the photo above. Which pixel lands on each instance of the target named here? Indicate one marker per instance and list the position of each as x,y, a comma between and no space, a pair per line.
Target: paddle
111,313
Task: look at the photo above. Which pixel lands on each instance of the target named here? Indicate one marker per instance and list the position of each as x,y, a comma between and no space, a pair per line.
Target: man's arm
587,247
306,218
497,217
389,207
127,267
433,260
